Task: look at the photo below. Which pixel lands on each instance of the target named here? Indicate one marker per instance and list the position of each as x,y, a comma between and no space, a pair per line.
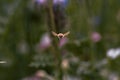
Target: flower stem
55,48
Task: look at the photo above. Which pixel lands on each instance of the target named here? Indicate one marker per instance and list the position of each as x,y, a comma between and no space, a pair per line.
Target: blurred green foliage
22,25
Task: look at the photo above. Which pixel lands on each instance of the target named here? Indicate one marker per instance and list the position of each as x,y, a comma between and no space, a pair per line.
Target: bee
60,35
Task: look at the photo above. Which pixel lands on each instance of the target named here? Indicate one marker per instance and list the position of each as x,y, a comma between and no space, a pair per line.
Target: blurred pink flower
65,64
62,42
45,42
37,76
95,37
40,73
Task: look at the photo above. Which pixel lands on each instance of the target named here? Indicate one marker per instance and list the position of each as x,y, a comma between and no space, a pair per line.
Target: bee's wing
55,34
65,34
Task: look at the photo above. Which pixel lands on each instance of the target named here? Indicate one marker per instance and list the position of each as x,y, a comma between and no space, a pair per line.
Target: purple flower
95,37
58,1
62,3
62,42
45,42
40,1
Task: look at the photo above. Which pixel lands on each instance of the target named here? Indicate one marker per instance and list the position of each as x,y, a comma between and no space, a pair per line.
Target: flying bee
60,35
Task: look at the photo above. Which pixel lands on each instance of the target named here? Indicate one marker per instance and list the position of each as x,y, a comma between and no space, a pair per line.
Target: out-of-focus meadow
29,51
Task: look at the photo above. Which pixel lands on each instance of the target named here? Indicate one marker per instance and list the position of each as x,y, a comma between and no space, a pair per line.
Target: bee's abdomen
61,36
